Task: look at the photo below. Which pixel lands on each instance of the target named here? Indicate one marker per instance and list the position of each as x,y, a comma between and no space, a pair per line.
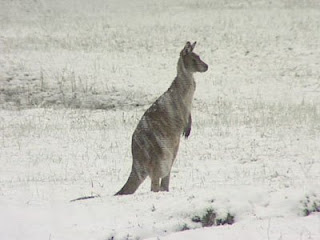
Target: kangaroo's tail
132,183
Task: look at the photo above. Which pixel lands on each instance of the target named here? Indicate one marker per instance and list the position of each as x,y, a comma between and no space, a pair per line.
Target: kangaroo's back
156,139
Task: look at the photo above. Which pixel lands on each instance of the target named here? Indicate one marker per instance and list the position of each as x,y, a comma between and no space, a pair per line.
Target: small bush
196,219
310,205
185,227
228,220
210,219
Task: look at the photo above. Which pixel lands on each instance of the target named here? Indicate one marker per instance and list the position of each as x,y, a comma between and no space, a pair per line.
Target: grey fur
155,141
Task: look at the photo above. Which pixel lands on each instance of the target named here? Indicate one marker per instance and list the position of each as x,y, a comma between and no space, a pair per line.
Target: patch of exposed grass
311,204
210,218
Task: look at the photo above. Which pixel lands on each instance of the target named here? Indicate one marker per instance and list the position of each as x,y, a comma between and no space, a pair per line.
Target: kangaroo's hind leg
166,179
165,183
155,186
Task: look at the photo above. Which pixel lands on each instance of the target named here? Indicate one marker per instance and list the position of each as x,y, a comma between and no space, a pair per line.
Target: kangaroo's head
192,61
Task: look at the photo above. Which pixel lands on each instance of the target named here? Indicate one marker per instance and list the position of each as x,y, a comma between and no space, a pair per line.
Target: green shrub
185,227
310,205
210,219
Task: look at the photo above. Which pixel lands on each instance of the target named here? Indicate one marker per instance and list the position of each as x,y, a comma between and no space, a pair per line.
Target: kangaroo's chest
172,109
188,97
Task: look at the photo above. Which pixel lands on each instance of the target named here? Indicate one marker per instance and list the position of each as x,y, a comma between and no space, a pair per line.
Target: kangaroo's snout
202,67
205,68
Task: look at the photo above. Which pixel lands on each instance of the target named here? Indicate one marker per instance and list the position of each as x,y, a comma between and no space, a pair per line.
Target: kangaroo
156,139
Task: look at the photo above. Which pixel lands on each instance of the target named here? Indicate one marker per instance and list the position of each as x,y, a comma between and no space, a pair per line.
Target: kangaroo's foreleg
187,129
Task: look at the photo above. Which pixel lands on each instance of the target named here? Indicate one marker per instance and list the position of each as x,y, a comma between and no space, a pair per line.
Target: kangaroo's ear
193,45
187,49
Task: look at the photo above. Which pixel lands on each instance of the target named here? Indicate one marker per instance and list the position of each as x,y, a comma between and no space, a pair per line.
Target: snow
76,77
272,228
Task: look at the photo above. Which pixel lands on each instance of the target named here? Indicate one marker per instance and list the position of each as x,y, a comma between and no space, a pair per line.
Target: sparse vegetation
185,227
311,204
210,218
23,91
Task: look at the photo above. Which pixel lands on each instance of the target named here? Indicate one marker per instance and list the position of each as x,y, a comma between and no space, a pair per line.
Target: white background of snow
254,147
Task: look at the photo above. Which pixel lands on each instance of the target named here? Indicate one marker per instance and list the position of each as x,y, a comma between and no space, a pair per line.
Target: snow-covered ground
76,76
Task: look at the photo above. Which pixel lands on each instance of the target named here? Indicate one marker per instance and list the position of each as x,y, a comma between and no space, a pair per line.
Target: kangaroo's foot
155,186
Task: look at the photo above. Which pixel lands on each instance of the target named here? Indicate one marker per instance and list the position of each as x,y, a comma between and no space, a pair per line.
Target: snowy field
76,76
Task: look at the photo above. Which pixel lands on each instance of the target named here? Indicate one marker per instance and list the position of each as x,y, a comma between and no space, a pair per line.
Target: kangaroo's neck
183,73
184,81
183,86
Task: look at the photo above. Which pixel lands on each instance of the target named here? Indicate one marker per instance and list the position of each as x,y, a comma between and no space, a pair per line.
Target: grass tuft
210,218
311,204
